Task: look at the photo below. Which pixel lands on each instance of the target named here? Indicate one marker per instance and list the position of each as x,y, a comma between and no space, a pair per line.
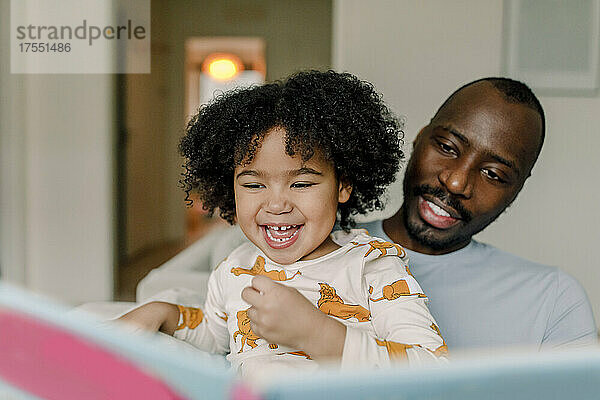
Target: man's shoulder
540,300
499,258
534,274
490,257
501,262
476,252
570,320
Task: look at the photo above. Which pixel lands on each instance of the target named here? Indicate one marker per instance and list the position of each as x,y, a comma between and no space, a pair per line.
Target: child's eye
253,185
302,185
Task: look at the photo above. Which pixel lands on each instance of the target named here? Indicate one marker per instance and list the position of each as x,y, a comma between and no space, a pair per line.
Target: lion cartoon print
395,290
395,350
191,317
259,269
244,329
332,304
443,349
382,247
398,350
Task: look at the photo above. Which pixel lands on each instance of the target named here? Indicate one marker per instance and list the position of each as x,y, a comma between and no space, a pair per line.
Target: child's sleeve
206,327
404,328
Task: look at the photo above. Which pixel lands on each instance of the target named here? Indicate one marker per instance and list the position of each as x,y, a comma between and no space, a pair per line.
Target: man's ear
344,191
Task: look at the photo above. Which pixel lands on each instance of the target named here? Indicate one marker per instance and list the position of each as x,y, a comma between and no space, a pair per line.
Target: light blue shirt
481,297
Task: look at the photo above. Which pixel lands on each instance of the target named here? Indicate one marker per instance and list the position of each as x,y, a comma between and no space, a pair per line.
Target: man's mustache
445,198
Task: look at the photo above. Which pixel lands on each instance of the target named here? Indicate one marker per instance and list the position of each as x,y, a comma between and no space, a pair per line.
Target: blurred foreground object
49,353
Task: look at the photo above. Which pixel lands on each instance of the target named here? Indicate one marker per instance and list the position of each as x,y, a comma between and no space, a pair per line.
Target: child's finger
263,284
255,328
251,296
251,313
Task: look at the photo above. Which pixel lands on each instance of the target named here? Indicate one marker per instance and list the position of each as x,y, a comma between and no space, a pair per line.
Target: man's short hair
512,91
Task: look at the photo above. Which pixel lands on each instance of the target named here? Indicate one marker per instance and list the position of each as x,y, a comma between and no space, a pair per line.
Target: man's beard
425,234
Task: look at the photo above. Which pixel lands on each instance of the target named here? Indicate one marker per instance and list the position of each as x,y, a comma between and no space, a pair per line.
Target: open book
48,353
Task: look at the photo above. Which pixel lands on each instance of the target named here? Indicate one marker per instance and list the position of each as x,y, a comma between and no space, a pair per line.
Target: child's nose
278,203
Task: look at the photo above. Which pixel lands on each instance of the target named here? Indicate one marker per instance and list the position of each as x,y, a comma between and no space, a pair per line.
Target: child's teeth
281,228
280,239
438,210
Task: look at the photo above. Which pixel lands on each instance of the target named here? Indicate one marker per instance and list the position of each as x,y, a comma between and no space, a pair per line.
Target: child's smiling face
285,206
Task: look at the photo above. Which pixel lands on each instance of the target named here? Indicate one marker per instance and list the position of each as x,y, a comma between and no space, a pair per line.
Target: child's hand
155,316
281,315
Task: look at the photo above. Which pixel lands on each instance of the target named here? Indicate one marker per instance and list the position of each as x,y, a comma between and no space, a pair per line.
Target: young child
284,160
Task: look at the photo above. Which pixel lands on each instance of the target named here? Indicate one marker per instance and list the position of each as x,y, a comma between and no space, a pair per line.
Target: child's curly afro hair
329,112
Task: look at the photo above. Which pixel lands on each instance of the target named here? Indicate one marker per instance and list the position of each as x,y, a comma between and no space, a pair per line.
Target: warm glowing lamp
221,66
222,69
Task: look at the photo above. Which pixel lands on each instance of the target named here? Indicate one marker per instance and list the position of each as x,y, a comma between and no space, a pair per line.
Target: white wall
417,52
69,186
57,181
12,193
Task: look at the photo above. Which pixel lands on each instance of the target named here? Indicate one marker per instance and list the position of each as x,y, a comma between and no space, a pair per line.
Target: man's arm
571,323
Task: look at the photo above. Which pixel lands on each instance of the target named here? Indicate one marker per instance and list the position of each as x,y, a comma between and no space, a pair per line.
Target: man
468,165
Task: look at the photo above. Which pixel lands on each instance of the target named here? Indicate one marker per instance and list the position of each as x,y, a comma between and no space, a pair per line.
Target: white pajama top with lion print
365,284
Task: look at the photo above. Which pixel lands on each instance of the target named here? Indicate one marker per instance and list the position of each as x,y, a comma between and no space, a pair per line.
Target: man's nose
277,203
457,181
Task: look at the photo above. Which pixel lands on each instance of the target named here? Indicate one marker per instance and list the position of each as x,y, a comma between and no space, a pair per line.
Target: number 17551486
44,47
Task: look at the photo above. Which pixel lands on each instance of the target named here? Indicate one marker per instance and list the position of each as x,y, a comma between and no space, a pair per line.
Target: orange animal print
332,304
225,317
296,353
248,336
192,317
395,350
398,350
395,290
382,247
443,349
259,269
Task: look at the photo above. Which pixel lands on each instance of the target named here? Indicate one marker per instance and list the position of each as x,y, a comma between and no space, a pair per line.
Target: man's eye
446,148
302,185
492,175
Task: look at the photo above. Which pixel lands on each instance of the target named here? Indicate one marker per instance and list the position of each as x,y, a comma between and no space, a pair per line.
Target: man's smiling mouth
442,207
435,215
437,209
